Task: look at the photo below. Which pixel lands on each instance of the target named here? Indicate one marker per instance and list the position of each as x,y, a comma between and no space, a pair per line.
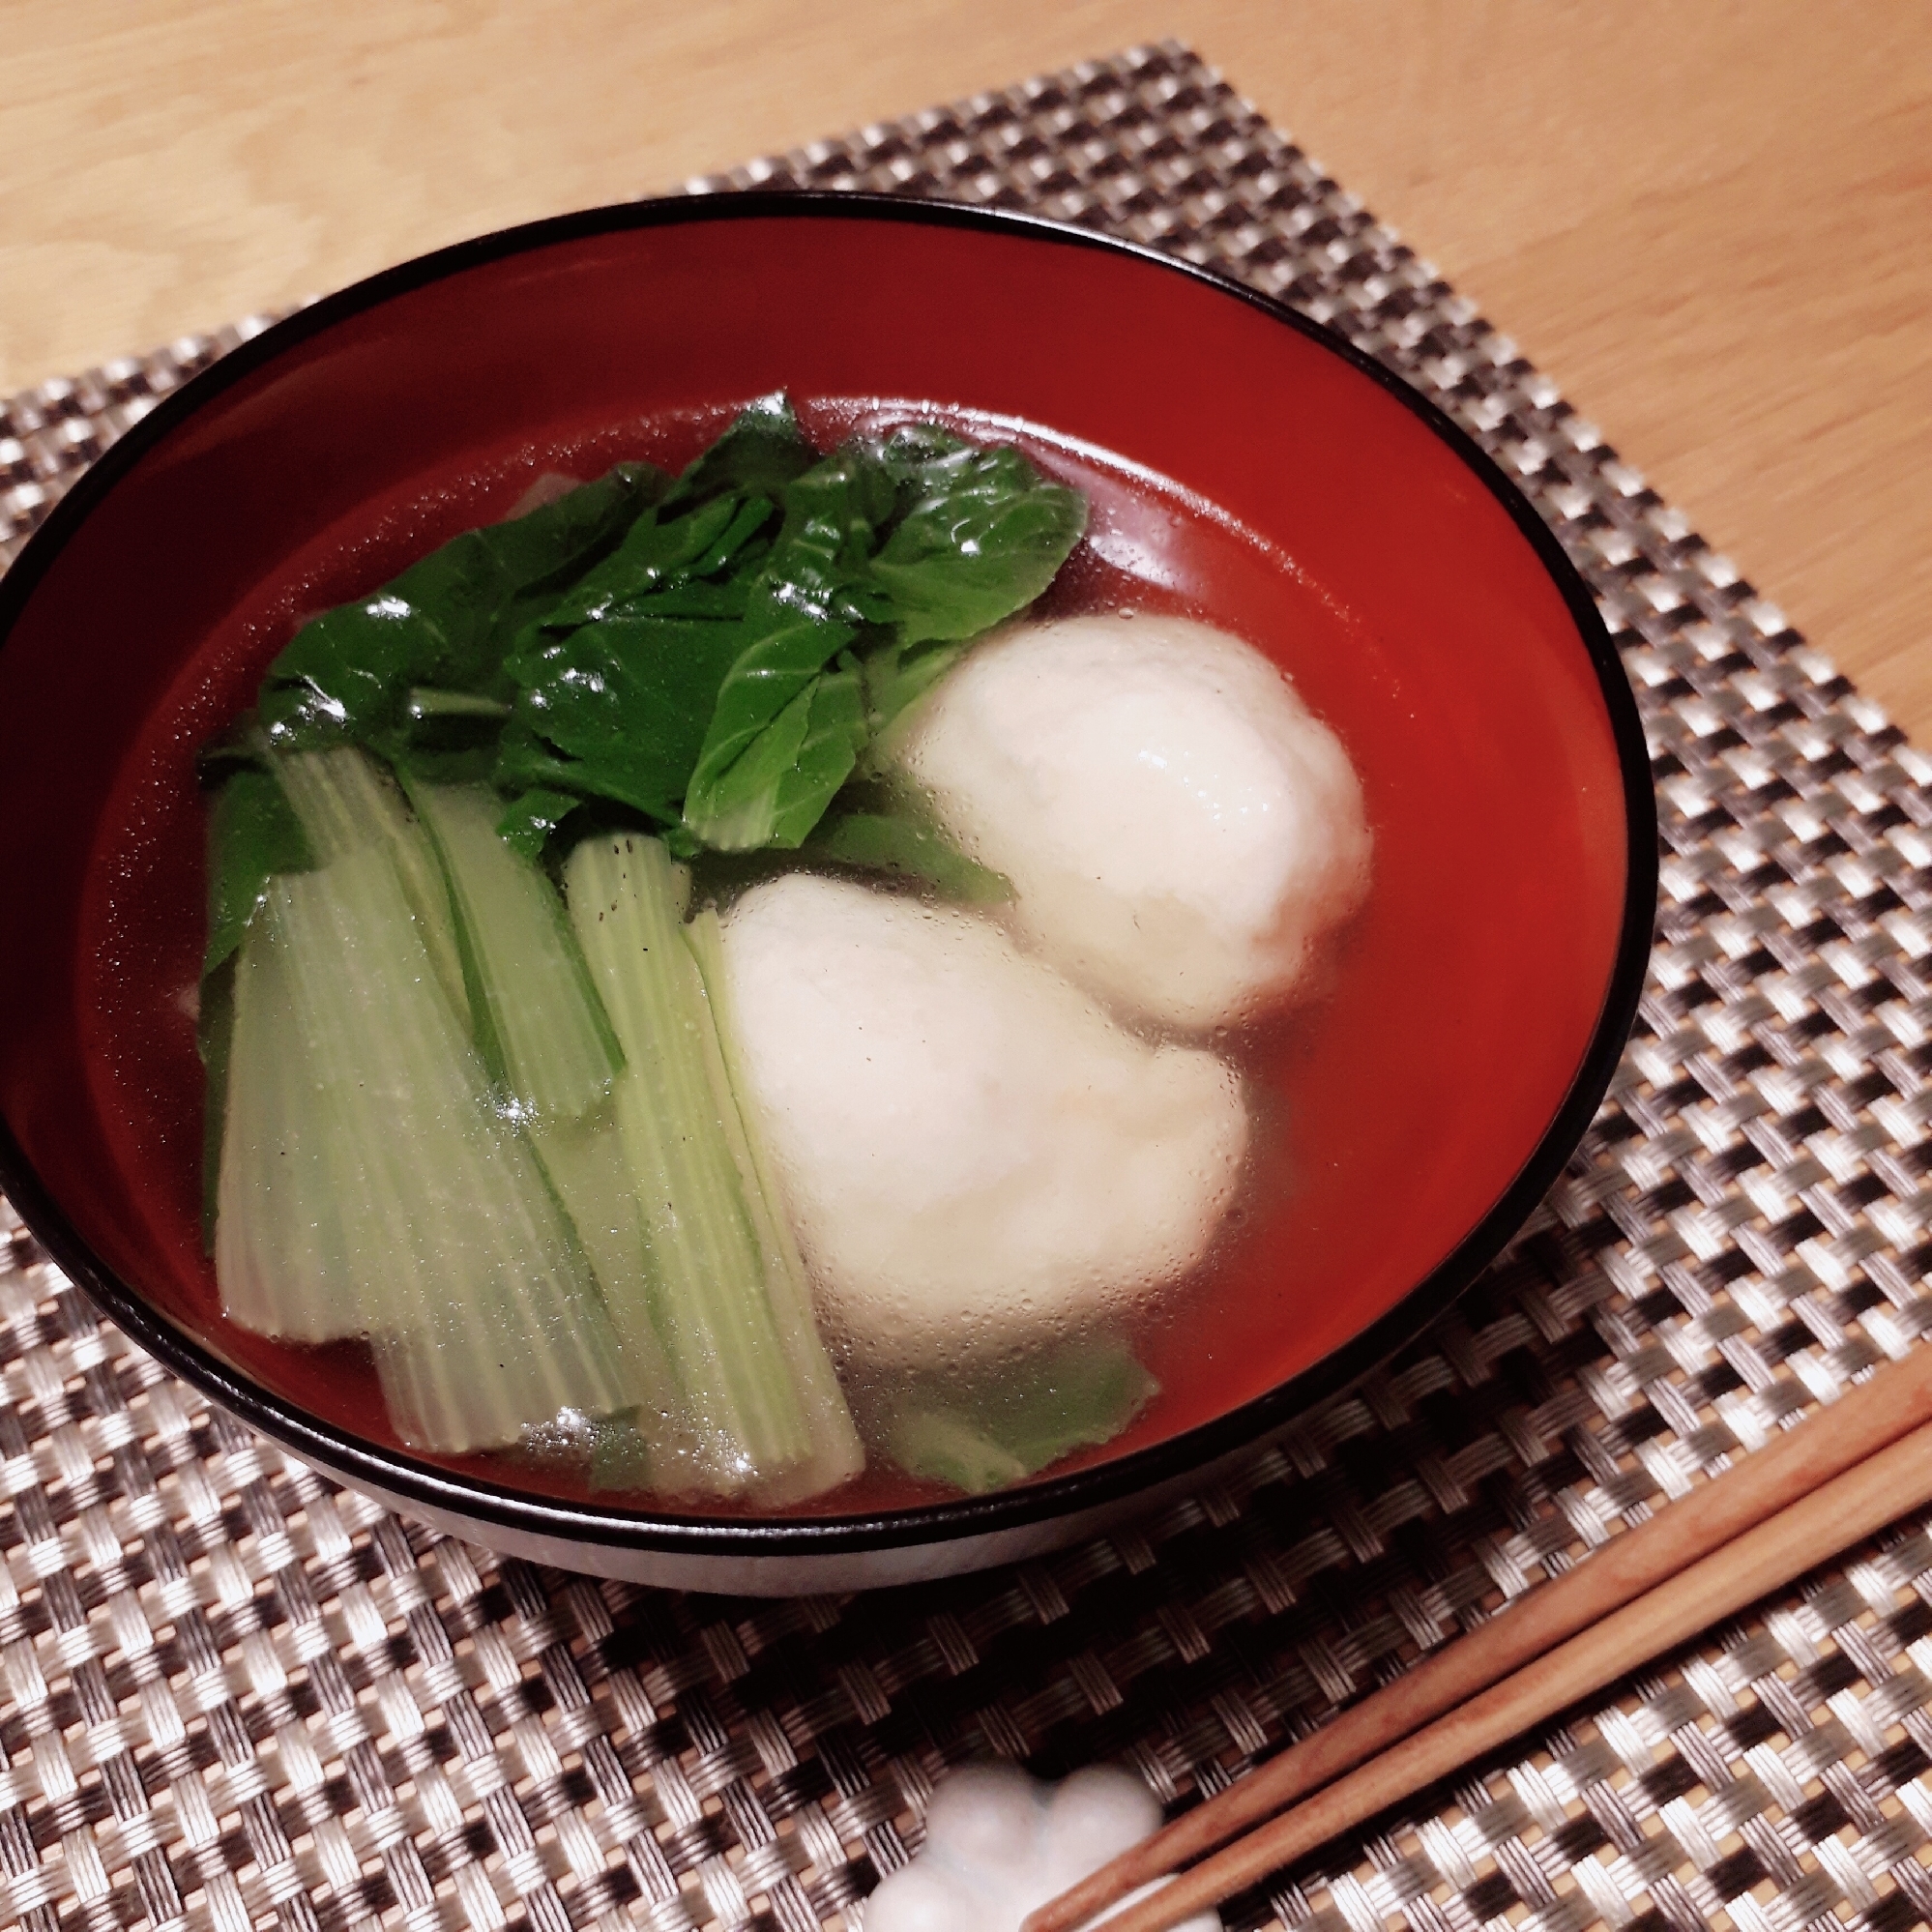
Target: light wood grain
1707,221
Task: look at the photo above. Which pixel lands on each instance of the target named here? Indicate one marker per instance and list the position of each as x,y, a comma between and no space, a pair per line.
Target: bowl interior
1240,470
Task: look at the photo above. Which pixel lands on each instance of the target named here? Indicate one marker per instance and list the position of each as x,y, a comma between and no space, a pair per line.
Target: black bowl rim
412,1481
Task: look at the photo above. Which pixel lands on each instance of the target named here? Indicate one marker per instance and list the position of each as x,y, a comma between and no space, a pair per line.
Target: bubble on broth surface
999,1844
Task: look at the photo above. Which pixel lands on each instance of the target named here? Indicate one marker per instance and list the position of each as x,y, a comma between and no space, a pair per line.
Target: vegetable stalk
724,1290
434,1232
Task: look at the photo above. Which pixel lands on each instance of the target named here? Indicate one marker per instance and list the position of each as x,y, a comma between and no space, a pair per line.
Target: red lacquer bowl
1244,466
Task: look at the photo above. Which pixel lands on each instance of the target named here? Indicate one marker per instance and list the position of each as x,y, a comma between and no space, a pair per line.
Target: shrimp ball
1179,829
975,1157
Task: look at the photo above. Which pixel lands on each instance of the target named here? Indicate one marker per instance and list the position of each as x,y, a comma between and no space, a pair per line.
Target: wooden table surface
1706,220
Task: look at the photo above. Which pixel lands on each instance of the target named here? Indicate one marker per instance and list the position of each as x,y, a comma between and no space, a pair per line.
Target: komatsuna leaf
659,552
762,451
818,563
561,536
214,1035
940,1445
779,789
533,819
897,676
1081,1395
618,682
486,585
653,625
809,602
894,830
737,811
914,447
834,736
1077,1396
445,623
253,835
617,710
342,676
986,535
760,719
835,514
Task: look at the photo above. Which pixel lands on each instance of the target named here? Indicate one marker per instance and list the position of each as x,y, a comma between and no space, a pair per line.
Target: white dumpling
998,1844
973,1154
1179,829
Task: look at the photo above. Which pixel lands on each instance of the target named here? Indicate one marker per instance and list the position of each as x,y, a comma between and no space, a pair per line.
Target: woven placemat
238,1696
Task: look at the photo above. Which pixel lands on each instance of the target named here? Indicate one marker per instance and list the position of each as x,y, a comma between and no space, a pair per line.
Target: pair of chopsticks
1862,1463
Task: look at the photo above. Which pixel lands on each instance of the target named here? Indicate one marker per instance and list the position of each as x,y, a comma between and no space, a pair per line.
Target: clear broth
1327,1079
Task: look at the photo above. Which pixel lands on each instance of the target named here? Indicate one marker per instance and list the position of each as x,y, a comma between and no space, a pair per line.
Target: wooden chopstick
1784,1546
1765,1521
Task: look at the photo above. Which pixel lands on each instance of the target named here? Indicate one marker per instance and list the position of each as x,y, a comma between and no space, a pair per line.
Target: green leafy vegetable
941,1445
616,709
536,1017
717,1277
884,548
762,451
982,537
1074,1397
891,829
774,783
252,834
723,670
446,622
897,676
505,1141
717,655
367,1189
530,825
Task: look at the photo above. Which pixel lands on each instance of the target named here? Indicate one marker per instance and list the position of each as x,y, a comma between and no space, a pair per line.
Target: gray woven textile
237,1696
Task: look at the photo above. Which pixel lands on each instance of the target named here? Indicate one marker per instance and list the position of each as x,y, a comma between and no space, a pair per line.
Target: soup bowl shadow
1421,604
